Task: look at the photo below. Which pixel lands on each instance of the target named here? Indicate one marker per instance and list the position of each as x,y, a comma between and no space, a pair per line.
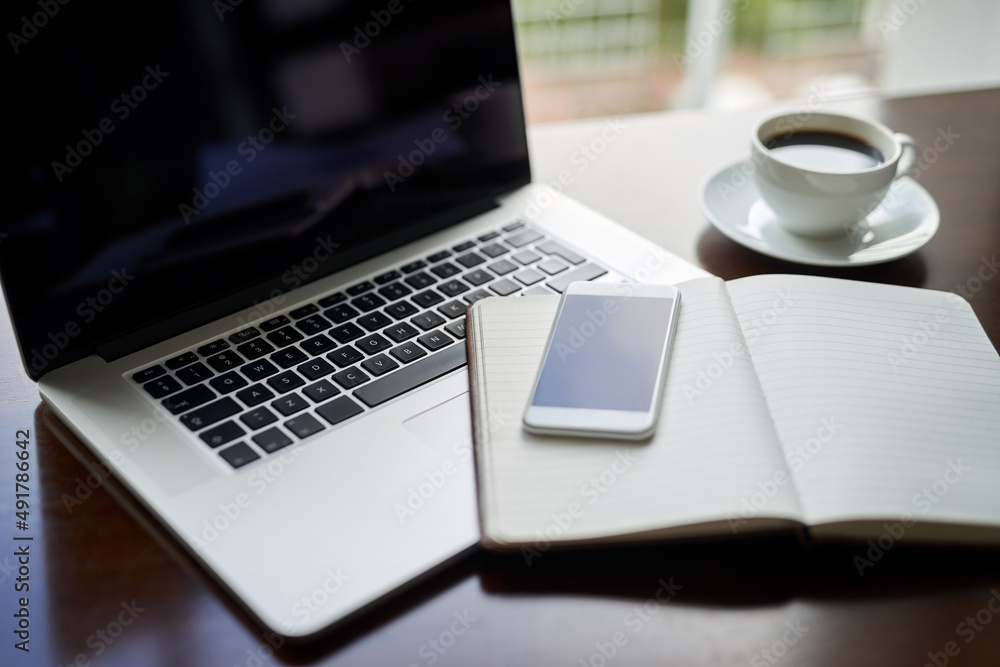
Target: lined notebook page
877,392
709,453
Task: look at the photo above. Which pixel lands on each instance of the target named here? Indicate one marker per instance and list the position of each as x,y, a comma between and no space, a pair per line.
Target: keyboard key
537,290
505,287
284,336
372,344
522,239
187,400
162,386
340,314
446,270
452,309
345,333
456,328
272,440
255,395
304,426
211,413
420,280
489,236
216,346
502,267
255,349
259,370
345,356
517,224
463,246
194,373
395,291
585,272
244,335
258,418
360,288
526,257
239,455
332,300
470,260
386,277
274,323
408,352
528,276
493,250
379,365
435,340
289,357
428,320
413,266
339,409
477,277
320,391
551,266
285,382
181,360
428,298
367,302
225,361
475,296
228,382
290,404
315,369
148,374
400,332
553,248
453,287
438,256
313,324
374,321
414,375
303,311
349,378
400,310
317,345
221,434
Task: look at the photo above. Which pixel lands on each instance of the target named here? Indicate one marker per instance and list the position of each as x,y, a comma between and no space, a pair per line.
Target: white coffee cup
825,200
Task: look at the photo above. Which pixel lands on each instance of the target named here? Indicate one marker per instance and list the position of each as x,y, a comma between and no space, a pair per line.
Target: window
583,58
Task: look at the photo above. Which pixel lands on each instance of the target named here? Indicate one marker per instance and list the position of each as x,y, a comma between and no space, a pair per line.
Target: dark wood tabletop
107,586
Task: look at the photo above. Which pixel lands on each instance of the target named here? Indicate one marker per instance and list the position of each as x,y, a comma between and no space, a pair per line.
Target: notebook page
886,398
712,447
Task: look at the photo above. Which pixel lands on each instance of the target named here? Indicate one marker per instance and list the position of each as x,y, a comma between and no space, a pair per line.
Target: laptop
240,239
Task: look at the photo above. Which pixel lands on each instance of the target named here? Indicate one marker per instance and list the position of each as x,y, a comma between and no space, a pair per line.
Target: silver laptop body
311,533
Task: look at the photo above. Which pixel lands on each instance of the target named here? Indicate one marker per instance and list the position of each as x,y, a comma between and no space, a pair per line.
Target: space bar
412,376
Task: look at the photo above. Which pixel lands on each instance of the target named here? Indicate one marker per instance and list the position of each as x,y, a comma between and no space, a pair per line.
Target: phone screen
604,353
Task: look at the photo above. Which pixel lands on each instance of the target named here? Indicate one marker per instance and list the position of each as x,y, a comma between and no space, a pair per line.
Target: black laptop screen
166,163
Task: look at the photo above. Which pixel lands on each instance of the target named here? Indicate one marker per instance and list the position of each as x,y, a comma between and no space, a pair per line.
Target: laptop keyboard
260,388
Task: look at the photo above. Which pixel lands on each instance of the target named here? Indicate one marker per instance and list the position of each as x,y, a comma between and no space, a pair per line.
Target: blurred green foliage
753,17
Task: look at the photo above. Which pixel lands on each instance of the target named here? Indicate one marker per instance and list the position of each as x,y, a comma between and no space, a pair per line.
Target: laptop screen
168,163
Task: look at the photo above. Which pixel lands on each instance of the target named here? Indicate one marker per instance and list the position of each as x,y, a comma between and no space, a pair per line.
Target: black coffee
825,151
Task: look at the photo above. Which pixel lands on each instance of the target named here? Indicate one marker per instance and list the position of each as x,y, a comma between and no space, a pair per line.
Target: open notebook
852,410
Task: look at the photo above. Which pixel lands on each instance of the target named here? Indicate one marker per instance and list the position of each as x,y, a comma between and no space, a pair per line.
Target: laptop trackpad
445,428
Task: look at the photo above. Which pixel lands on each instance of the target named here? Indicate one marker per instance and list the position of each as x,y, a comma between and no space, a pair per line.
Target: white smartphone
605,361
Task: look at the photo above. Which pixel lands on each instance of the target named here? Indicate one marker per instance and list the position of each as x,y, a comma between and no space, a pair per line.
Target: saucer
903,222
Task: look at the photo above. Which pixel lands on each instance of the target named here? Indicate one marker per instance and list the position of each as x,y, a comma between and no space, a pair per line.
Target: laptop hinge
151,334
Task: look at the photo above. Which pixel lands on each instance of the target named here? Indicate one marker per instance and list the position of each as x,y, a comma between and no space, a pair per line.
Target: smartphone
605,361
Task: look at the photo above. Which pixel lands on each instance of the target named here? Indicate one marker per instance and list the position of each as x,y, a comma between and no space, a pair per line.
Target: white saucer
905,220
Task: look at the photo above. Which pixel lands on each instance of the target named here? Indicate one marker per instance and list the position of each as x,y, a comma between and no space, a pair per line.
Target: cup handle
908,156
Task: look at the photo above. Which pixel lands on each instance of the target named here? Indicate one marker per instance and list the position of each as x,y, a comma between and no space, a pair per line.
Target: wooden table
108,587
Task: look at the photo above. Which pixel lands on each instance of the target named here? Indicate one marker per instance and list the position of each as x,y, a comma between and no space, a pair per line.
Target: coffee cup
821,173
